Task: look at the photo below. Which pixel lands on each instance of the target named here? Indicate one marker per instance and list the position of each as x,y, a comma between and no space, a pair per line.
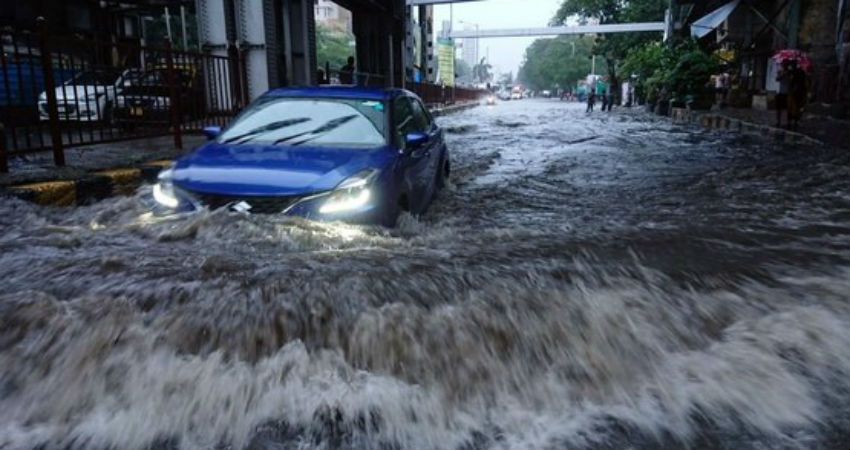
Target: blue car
353,154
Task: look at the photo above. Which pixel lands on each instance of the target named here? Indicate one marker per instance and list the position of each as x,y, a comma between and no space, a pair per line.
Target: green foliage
557,62
616,46
644,61
691,73
663,72
333,47
481,71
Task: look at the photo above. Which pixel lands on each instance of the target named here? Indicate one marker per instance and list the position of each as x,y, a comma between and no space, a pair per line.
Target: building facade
747,33
333,16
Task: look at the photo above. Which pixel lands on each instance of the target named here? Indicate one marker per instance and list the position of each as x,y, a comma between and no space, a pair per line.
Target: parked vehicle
88,96
22,80
516,93
328,153
148,100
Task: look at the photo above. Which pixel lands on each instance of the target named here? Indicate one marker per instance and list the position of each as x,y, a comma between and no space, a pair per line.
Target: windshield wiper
315,133
266,128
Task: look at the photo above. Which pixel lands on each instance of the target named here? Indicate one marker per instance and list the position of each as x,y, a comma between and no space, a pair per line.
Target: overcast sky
506,54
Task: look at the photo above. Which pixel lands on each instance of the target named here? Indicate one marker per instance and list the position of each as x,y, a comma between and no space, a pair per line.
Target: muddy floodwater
587,281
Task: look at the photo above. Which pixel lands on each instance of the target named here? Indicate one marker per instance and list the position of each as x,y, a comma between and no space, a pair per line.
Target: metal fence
434,94
61,92
431,94
58,92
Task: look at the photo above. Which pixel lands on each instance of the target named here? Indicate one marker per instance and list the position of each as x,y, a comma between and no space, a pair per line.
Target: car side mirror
415,139
211,132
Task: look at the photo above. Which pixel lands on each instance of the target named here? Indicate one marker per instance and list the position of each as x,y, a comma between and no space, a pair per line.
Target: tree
679,72
614,47
481,71
333,47
558,62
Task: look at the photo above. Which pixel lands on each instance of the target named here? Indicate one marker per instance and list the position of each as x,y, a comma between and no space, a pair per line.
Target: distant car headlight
353,193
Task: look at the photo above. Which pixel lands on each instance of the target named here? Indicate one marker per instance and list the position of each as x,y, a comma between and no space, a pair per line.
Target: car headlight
354,192
163,190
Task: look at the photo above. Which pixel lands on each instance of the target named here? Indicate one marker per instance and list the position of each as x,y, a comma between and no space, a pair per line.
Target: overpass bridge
394,38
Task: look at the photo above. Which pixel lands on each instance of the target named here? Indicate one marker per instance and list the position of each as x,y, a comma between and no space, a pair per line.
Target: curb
721,122
94,186
437,112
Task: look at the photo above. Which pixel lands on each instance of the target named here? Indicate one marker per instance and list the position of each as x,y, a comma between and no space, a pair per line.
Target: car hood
216,168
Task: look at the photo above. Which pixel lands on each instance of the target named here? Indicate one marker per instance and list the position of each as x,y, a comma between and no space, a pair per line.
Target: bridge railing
435,94
430,93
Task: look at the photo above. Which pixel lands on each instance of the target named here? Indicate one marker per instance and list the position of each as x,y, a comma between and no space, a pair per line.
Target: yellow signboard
446,59
725,55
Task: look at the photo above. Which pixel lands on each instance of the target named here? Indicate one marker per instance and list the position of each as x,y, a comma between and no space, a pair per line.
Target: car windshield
319,122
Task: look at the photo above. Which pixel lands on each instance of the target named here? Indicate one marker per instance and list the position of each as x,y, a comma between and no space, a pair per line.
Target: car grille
259,205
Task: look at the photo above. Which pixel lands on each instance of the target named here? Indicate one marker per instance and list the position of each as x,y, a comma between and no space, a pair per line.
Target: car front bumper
308,207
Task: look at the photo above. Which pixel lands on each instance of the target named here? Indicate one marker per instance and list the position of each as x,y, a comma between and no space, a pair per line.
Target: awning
712,20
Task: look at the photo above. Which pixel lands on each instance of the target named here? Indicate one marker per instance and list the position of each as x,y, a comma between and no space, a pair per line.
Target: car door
425,124
415,162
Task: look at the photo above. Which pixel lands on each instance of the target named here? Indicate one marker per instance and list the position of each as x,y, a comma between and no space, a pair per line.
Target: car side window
420,115
403,122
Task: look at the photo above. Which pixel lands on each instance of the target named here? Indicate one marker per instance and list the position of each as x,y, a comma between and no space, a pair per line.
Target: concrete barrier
722,122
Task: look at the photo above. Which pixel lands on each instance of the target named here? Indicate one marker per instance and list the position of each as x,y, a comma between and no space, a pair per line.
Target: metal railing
57,92
431,94
435,94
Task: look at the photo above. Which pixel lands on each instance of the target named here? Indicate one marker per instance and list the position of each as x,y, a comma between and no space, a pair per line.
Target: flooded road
603,281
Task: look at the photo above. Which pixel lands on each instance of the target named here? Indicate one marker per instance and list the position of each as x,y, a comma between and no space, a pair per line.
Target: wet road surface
602,281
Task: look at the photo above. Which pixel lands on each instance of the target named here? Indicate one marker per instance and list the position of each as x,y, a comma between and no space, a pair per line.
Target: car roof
353,92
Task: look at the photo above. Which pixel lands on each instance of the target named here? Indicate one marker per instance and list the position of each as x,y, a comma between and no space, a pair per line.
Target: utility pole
672,16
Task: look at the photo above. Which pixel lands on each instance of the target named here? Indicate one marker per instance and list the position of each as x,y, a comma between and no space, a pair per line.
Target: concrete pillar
428,63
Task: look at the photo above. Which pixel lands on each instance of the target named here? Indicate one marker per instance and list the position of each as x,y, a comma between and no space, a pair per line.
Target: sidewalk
813,129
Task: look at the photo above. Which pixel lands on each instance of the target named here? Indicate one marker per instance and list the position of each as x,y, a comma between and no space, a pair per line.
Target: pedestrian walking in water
784,79
796,94
604,100
591,99
610,101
